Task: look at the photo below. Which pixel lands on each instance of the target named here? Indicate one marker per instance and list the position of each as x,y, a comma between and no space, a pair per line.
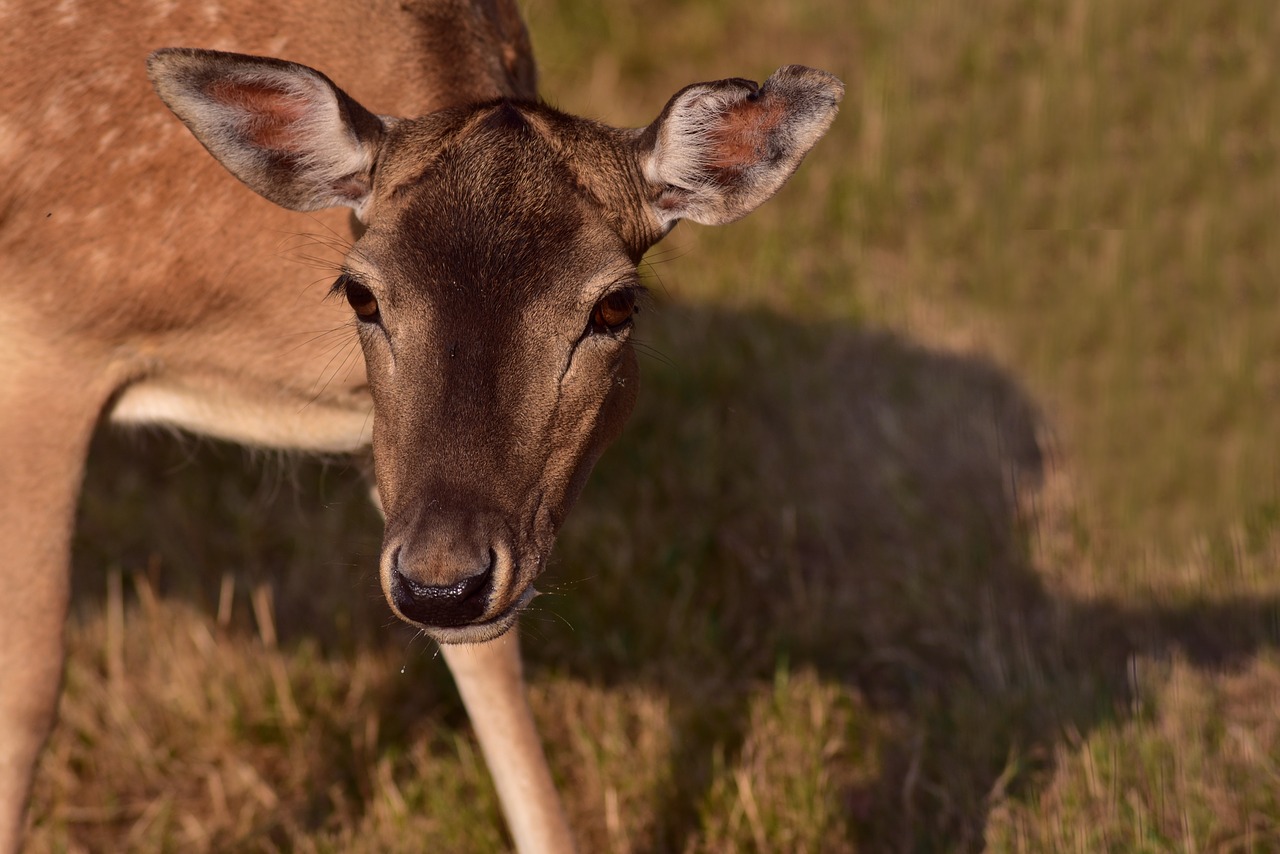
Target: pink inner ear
740,136
272,115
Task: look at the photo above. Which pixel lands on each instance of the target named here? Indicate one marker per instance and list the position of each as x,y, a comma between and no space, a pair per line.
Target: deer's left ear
720,150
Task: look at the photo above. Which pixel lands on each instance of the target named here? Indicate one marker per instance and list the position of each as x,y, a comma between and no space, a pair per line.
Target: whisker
346,355
651,273
299,239
554,588
665,255
551,613
335,236
295,247
303,240
563,619
315,336
527,631
319,263
350,368
646,349
327,228
331,348
322,375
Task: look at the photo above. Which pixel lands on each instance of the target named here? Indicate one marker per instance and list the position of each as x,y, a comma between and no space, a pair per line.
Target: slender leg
491,682
46,420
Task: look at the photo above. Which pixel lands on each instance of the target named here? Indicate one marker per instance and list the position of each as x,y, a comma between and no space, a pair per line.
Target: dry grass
948,519
1192,768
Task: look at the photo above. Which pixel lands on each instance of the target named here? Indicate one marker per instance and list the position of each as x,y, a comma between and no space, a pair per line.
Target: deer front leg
491,681
46,419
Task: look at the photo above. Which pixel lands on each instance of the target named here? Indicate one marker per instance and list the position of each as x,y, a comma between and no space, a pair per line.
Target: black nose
445,606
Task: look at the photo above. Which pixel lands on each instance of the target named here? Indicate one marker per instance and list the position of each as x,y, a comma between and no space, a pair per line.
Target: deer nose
444,606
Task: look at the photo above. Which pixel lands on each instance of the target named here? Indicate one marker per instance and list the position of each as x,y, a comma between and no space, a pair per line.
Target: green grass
947,518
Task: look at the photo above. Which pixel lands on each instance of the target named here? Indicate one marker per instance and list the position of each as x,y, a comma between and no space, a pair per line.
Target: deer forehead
489,206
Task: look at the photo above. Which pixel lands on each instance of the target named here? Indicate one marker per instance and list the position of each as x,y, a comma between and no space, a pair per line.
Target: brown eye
362,300
614,311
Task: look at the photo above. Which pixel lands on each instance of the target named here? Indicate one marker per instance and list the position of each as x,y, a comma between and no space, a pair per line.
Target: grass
948,519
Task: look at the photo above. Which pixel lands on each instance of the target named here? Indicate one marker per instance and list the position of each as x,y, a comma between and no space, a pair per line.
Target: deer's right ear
283,129
720,150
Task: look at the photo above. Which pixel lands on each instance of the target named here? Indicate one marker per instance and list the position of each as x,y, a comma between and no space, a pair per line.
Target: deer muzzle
455,572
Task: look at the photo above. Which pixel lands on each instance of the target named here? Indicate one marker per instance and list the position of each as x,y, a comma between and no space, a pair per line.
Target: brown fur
143,284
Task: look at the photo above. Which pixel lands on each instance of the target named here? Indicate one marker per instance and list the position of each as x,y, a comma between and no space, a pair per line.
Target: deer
489,275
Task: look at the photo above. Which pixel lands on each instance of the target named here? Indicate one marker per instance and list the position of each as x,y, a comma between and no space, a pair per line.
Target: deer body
488,246
118,203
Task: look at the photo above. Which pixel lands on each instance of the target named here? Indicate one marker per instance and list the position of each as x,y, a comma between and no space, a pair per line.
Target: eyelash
360,298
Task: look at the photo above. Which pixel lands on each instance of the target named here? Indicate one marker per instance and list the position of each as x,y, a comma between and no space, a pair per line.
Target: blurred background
948,518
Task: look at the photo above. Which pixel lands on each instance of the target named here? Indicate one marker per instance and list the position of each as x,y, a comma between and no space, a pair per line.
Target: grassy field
948,520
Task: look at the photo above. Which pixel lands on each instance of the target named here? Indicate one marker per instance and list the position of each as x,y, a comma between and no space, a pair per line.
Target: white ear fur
283,129
720,150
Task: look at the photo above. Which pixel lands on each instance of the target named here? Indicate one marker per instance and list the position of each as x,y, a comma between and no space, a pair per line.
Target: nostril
442,605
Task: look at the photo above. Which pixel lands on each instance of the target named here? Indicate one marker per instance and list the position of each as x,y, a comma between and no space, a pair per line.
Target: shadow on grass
788,495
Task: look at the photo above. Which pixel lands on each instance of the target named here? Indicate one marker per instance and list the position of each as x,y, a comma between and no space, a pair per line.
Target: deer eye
613,311
362,300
